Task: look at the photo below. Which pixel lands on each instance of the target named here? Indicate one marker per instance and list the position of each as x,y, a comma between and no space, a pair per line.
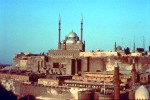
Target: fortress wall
97,64
125,63
84,64
11,85
143,63
56,93
94,64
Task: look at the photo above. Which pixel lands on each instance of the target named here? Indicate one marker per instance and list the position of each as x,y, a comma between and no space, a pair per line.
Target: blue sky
32,25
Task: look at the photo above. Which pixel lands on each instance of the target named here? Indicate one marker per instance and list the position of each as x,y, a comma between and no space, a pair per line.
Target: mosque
72,41
71,59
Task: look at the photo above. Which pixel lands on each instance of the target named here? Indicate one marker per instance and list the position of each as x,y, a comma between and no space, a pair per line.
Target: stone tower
115,47
134,74
134,47
116,82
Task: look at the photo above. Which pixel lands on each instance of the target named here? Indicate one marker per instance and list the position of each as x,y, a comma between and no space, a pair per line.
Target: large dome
72,34
70,41
141,93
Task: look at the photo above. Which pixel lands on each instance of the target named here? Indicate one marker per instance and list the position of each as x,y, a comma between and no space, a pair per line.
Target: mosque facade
71,58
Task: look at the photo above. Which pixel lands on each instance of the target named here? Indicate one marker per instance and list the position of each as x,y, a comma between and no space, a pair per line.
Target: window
55,65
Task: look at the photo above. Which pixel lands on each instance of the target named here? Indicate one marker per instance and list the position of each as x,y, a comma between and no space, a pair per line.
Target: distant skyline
32,25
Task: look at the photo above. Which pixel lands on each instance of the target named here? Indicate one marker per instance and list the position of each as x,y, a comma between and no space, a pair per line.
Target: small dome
119,48
79,41
141,93
72,34
70,41
98,50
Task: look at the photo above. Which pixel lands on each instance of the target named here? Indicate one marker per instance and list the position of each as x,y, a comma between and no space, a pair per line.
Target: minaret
134,47
116,82
133,71
115,47
81,28
59,32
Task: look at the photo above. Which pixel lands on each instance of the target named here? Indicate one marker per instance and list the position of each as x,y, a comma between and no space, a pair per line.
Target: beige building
97,54
136,54
48,82
23,64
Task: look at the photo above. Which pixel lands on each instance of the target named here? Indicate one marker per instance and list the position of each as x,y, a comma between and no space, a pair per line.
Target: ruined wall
96,64
64,65
48,82
69,62
125,63
143,63
11,85
84,64
51,92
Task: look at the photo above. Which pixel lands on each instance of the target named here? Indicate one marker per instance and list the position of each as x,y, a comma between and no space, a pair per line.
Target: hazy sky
32,25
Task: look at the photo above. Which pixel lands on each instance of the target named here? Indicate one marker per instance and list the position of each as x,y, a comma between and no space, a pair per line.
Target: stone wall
48,82
51,92
70,63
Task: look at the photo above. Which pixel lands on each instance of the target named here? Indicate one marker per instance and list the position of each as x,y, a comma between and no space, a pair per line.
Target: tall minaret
115,47
134,47
134,75
116,82
81,28
59,32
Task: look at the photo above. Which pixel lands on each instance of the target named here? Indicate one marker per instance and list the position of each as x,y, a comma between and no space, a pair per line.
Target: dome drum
70,41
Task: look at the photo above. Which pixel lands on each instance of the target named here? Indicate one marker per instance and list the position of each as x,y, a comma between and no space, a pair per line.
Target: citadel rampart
52,92
65,65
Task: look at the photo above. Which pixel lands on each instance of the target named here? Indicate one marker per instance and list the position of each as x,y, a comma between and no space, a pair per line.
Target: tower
115,47
134,47
81,28
134,75
59,32
116,82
